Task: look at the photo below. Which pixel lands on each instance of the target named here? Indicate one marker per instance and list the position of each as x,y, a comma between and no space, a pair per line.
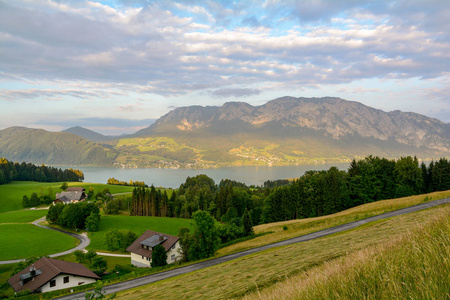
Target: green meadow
22,216
26,240
11,194
137,225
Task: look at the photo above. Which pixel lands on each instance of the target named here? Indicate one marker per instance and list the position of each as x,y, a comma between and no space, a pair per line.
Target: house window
173,257
52,283
66,279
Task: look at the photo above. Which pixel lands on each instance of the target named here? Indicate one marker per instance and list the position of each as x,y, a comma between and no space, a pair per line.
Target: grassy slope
305,226
26,240
137,225
412,266
251,273
11,194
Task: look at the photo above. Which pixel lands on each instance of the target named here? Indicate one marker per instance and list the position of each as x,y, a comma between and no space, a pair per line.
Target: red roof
50,268
136,247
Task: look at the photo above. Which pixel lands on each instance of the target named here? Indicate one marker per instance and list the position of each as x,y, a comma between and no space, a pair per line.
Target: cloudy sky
111,66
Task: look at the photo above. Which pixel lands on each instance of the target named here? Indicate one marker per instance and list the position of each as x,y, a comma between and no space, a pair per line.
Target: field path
121,286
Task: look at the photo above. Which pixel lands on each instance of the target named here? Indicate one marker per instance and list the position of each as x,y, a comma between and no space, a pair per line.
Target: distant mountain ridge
52,148
283,131
334,117
89,134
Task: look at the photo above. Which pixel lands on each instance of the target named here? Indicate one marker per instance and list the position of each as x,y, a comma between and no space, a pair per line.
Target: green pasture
26,240
22,216
137,225
11,194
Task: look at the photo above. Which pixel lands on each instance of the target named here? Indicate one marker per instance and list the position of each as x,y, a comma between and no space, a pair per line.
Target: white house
49,274
142,248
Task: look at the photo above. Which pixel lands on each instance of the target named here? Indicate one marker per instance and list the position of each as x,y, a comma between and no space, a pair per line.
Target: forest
316,193
28,172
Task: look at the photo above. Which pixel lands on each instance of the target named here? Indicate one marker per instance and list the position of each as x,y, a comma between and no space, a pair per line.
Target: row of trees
28,172
368,180
130,183
314,194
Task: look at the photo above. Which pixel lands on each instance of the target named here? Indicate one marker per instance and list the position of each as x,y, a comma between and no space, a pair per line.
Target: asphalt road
117,287
84,242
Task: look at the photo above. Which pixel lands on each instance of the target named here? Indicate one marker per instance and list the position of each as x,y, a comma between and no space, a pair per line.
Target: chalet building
142,248
49,274
71,195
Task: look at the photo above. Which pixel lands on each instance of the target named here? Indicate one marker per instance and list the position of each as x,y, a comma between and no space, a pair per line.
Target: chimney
32,270
161,237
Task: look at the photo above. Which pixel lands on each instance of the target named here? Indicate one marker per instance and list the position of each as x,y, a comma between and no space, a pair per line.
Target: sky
113,66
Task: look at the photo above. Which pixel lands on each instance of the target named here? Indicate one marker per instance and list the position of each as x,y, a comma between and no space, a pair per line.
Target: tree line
28,172
316,193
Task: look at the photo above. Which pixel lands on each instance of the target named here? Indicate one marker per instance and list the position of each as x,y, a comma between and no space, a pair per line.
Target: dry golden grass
413,265
258,271
305,226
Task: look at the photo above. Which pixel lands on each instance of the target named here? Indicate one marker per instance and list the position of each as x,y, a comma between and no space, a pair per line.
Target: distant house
71,195
49,274
142,248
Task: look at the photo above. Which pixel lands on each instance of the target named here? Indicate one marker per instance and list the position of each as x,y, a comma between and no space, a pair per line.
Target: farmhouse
49,274
142,248
71,195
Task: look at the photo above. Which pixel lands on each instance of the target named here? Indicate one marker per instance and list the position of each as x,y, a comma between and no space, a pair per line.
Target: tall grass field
253,275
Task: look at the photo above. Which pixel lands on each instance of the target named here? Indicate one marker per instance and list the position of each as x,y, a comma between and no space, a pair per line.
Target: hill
288,130
389,253
89,134
52,148
283,131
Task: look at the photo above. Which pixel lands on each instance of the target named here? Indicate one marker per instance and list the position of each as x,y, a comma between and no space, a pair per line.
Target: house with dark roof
142,248
71,195
49,274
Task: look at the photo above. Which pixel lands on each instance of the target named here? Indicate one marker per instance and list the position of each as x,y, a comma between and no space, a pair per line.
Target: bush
119,240
159,256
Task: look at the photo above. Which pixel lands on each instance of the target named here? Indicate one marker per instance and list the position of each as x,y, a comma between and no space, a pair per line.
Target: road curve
120,286
84,242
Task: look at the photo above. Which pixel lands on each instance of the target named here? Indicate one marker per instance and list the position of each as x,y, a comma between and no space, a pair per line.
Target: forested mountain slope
52,148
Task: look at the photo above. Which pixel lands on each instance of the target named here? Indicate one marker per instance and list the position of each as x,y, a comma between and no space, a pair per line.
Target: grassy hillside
414,265
271,146
137,225
276,231
11,194
52,148
256,272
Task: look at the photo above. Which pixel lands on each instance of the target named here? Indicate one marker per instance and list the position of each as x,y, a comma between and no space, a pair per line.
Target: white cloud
93,50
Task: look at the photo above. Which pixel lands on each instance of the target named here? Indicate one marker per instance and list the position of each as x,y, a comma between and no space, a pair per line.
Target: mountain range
283,131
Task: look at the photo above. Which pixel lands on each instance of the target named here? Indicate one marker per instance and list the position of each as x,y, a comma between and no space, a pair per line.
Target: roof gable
48,269
149,235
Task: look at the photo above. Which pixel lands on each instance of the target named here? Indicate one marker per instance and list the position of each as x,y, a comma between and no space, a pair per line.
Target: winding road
120,286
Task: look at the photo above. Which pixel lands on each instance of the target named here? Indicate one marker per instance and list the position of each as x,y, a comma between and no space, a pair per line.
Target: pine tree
247,223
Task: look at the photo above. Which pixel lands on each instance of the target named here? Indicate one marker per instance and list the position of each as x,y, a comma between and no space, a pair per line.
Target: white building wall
174,255
73,281
140,261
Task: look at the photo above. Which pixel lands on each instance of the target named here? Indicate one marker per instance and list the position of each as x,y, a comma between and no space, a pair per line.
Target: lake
249,175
